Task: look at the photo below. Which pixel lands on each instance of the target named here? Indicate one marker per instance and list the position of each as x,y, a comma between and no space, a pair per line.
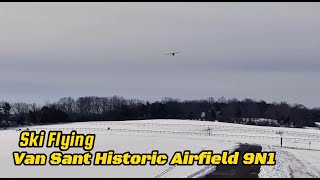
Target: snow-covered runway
169,136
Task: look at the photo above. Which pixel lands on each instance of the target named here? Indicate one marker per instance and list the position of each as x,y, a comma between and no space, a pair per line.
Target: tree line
116,108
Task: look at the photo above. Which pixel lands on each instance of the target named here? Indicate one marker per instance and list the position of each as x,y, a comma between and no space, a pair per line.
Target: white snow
169,136
317,124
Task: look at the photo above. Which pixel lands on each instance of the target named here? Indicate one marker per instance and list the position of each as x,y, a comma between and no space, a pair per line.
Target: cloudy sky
268,51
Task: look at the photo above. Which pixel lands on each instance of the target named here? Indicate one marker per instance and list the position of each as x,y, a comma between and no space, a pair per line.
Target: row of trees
68,109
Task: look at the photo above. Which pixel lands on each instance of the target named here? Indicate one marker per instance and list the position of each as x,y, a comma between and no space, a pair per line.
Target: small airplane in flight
173,53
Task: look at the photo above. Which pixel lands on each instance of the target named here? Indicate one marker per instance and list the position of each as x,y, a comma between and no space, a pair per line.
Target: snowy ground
294,159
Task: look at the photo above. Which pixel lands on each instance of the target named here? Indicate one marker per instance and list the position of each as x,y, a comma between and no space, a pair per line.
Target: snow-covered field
297,157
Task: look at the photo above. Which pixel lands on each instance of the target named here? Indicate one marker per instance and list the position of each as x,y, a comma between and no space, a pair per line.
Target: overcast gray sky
262,50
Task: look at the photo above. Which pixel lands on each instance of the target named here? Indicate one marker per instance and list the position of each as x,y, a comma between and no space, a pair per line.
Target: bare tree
67,104
20,108
106,104
84,105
